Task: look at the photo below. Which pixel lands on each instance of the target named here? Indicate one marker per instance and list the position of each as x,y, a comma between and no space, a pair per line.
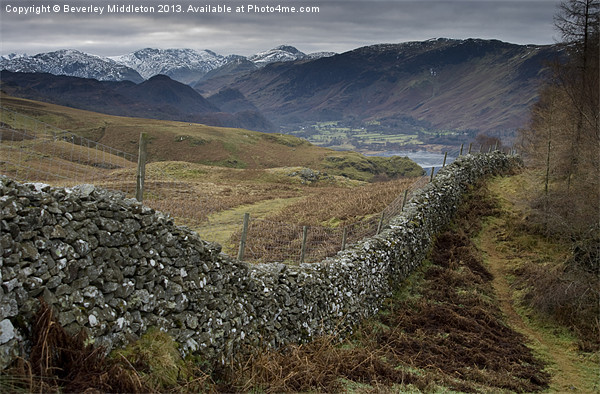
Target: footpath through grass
512,248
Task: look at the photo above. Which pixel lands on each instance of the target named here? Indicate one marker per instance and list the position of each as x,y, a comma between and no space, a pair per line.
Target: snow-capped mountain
282,53
318,55
183,65
72,63
12,56
385,82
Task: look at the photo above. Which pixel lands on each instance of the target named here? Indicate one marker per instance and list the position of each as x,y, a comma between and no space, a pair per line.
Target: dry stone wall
111,266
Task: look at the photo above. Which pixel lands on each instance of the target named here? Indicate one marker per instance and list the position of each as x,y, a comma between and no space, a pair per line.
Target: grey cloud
339,26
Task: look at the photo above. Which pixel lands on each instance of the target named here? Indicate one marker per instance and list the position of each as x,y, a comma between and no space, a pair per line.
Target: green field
375,136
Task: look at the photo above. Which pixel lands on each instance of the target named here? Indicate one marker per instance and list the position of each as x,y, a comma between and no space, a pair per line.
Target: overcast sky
336,25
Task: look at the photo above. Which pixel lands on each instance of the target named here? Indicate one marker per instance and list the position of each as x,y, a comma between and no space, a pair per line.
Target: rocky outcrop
111,266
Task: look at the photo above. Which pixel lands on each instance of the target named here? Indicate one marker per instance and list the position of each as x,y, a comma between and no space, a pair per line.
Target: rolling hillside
159,97
201,144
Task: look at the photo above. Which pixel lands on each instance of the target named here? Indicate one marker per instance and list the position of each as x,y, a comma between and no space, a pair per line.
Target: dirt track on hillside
456,326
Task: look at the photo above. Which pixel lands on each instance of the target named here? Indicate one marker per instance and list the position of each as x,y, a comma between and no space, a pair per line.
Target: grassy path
570,370
222,225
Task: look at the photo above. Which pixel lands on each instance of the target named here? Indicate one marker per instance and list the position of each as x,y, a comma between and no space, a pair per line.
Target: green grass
374,136
220,226
356,166
157,361
558,346
183,170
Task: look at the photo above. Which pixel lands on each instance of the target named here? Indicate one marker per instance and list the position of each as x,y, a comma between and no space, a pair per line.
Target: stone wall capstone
111,266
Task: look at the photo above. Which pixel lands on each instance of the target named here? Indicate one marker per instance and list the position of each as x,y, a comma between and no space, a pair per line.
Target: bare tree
563,138
579,24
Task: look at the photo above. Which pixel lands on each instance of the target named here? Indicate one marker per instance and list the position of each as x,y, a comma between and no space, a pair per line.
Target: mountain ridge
160,97
181,64
447,88
73,63
484,85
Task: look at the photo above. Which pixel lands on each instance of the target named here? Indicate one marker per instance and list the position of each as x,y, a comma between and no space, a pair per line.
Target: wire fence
305,244
34,151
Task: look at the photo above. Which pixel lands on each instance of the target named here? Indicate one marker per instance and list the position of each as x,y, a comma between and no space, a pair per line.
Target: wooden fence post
470,146
431,176
404,199
303,250
141,168
461,149
344,236
244,235
445,157
380,225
